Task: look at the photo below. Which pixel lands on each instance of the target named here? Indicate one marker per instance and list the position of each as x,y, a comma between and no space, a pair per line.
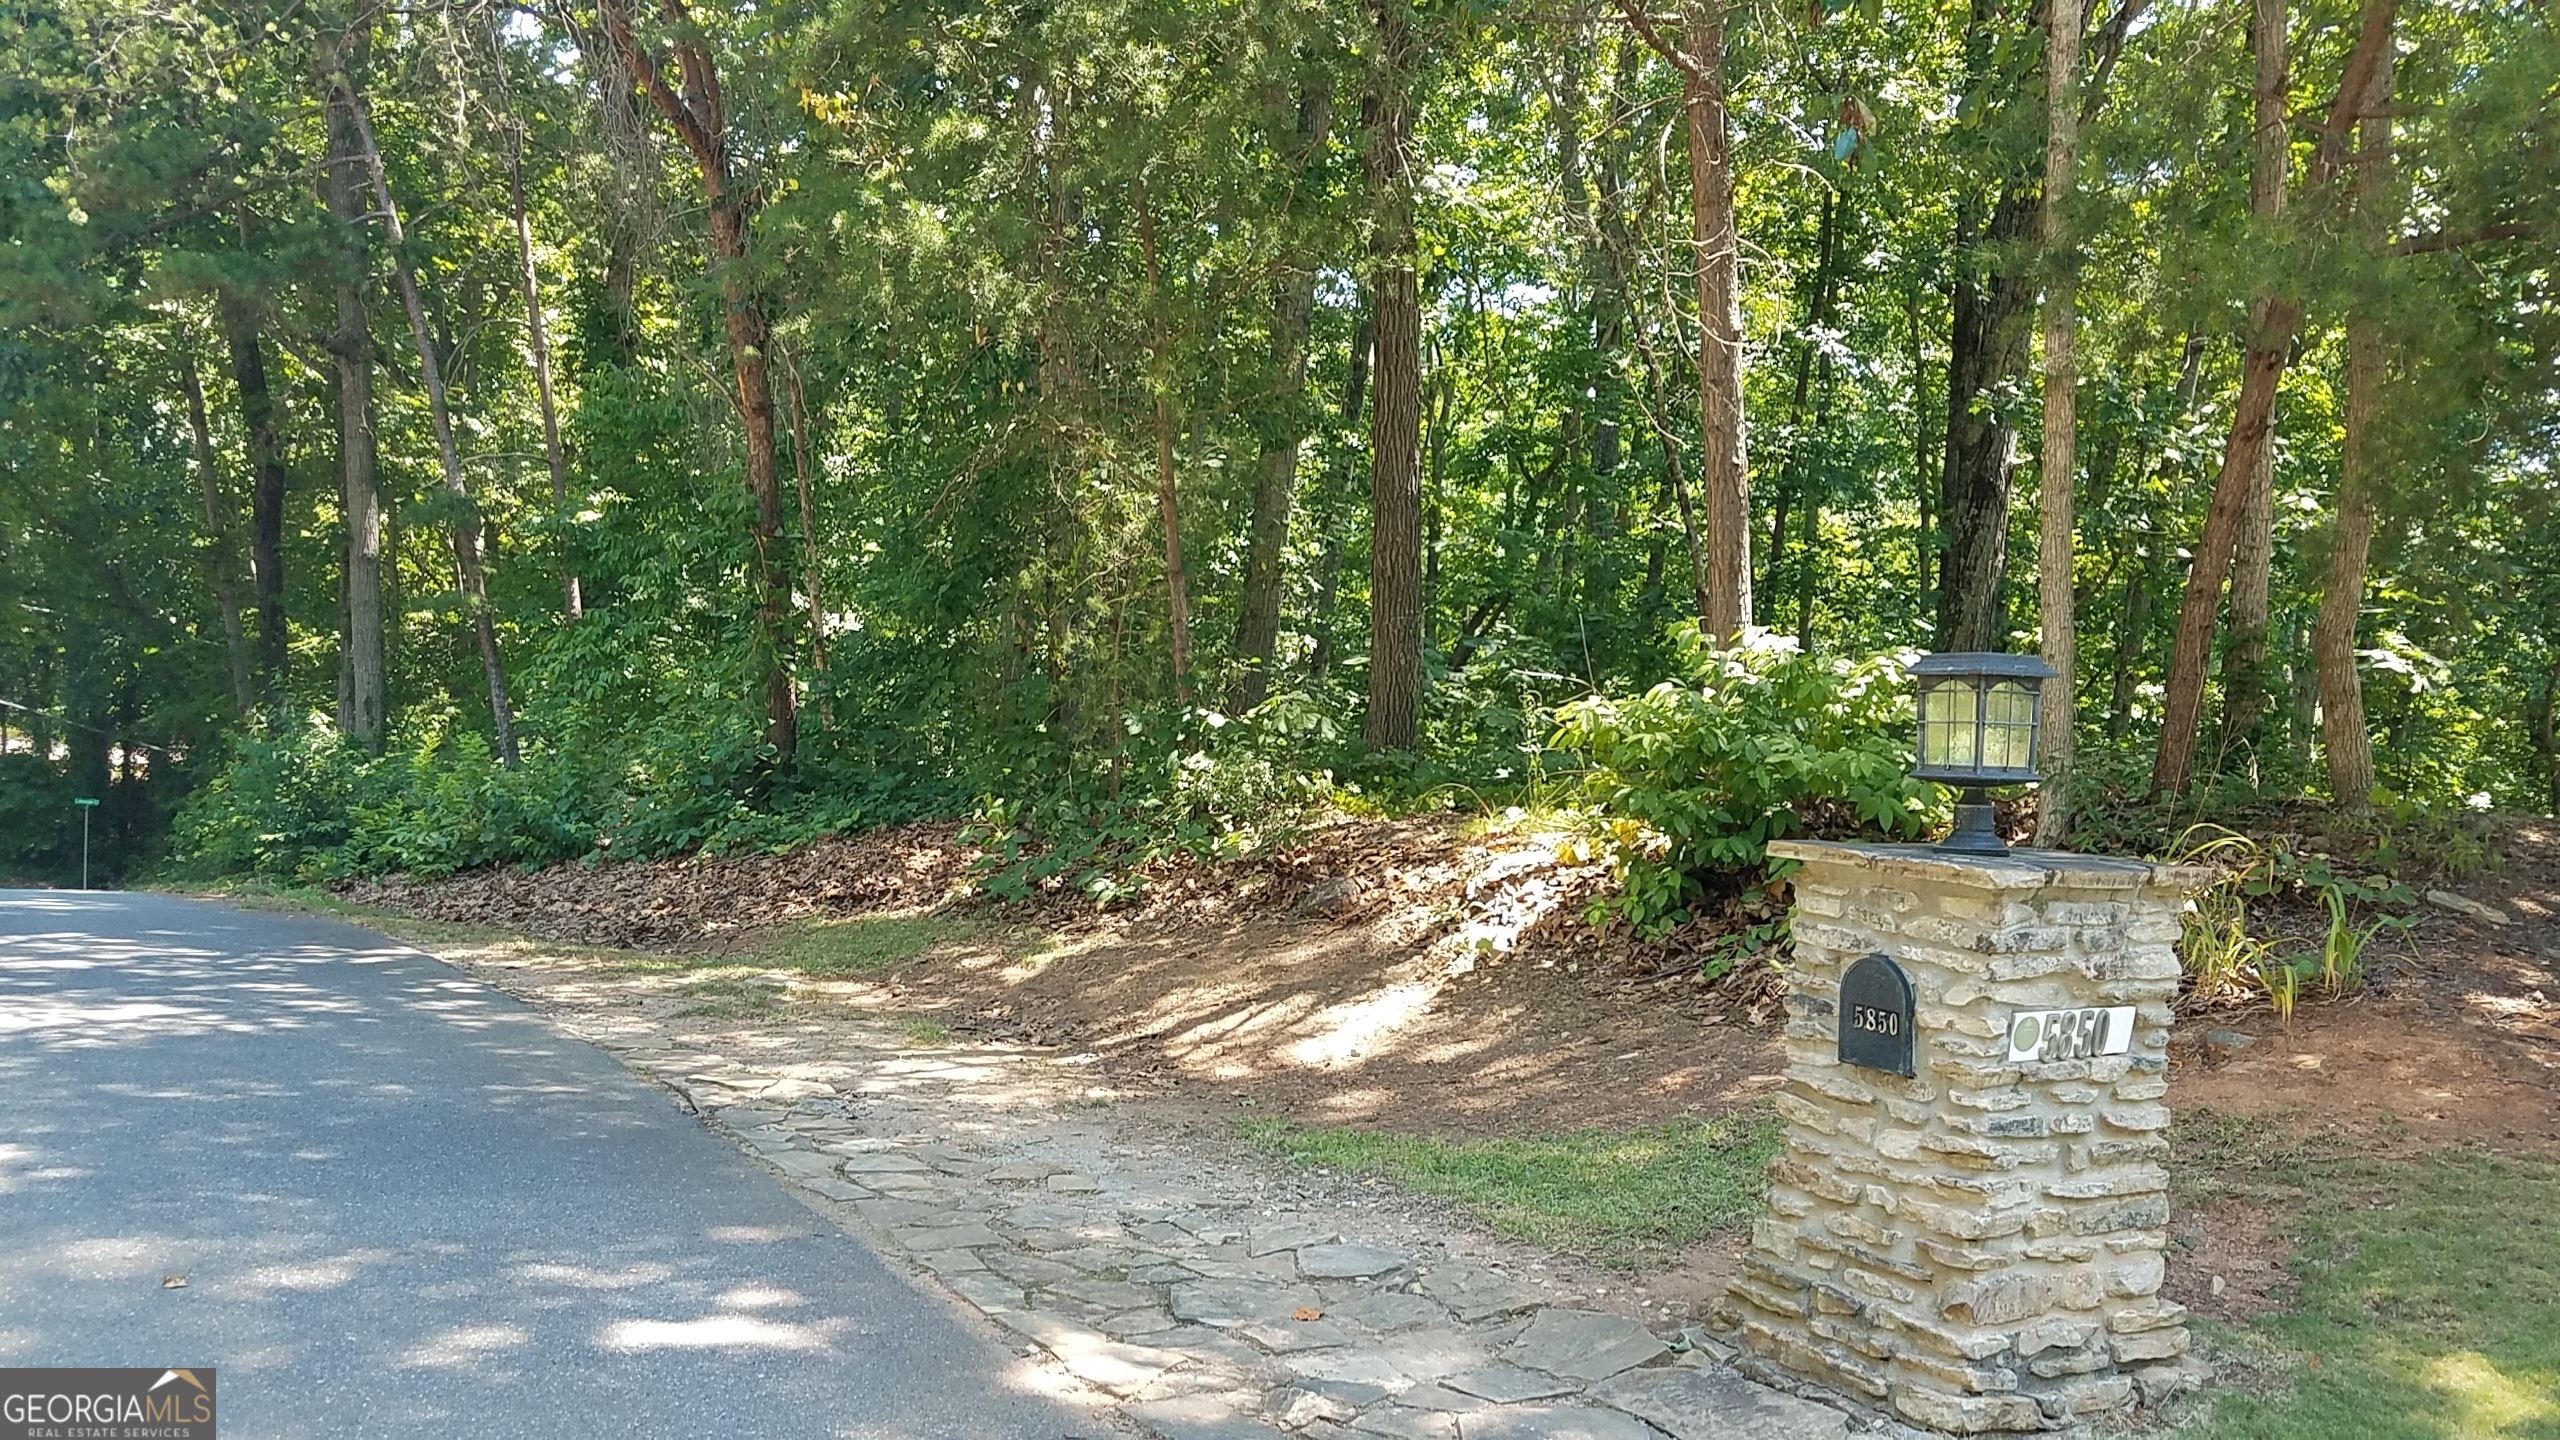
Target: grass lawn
2429,1309
863,945
1617,1196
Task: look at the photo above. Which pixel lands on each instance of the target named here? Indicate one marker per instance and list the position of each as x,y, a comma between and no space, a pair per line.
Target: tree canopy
458,433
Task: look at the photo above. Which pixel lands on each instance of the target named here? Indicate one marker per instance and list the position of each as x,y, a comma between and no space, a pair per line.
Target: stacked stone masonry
1977,1248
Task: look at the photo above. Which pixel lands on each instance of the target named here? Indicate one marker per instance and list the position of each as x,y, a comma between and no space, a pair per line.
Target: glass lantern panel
2009,727
1948,711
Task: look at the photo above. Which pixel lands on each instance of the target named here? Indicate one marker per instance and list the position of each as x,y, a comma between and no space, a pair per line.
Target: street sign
86,805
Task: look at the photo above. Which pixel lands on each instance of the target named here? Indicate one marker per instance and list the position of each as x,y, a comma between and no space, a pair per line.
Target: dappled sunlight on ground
2487,1401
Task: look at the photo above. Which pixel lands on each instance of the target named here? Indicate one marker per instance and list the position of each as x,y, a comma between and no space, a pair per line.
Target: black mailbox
1875,1016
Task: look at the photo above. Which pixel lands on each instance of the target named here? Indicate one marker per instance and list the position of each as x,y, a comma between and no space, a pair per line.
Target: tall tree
2058,466
1395,419
242,313
1993,292
1177,589
1723,467
2253,555
1716,255
701,121
343,185
537,332
1283,423
348,102
2274,318
219,556
2345,746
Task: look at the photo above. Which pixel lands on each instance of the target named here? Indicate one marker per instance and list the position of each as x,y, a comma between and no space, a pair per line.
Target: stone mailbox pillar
1967,1232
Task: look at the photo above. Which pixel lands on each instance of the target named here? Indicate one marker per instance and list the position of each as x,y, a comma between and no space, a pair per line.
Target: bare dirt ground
1403,975
1412,976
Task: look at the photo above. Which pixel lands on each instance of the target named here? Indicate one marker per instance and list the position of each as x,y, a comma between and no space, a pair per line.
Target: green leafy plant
1761,742
2224,960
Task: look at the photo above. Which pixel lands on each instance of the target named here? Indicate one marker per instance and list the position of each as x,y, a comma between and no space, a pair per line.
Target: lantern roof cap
1983,662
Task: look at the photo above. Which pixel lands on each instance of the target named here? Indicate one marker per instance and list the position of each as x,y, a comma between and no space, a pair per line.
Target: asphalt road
404,1206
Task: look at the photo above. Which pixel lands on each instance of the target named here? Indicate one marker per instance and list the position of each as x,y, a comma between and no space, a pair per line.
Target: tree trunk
2244,658
2058,467
217,529
1813,382
1275,471
1336,494
466,525
1987,341
2274,319
698,119
1275,480
629,202
342,189
537,340
1993,290
2253,560
240,318
2130,640
1674,479
2344,742
1395,419
1723,472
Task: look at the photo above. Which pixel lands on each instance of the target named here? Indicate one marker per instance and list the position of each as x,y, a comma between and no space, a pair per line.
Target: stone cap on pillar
2017,870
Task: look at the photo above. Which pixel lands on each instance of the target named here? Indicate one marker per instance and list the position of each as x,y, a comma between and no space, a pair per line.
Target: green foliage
985,329
1762,742
34,799
1192,782
1618,1196
2225,960
300,803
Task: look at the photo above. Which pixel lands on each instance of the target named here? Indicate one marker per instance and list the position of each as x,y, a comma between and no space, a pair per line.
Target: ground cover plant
1617,1196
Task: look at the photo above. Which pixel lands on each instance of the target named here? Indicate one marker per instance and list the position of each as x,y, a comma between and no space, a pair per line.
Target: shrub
1188,782
1758,743
34,799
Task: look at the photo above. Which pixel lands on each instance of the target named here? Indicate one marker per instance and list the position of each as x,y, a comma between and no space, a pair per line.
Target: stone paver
1583,1344
1347,1262
1397,1422
1474,1292
1695,1403
1509,1384
1555,1422
1271,1240
1207,1317
1226,1304
1194,1418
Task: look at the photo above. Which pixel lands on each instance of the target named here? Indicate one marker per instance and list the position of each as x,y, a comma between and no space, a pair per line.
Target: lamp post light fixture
1977,729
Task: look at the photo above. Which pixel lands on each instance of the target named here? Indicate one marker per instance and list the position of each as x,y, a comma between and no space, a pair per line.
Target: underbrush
1681,788
299,802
